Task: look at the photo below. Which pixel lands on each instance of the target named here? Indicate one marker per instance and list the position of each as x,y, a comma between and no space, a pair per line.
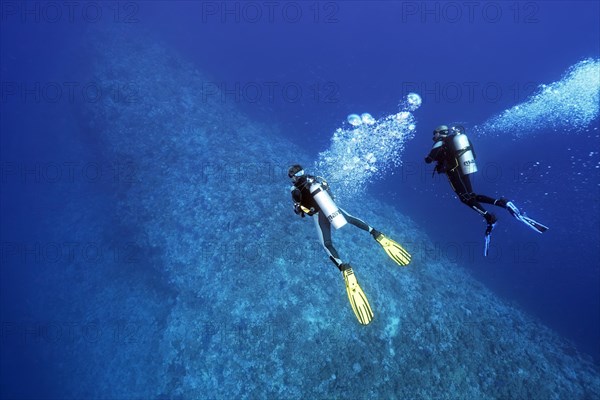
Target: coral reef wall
251,307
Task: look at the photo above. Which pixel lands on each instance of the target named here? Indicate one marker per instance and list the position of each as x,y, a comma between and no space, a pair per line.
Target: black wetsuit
302,197
443,153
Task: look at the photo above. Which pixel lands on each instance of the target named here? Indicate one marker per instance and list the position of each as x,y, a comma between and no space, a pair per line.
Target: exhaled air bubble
413,101
568,105
368,149
354,120
367,119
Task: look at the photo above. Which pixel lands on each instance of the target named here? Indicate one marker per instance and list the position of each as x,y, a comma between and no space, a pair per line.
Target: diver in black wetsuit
455,157
448,162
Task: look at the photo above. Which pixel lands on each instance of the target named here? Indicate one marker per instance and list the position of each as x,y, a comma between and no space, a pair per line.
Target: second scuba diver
311,196
455,156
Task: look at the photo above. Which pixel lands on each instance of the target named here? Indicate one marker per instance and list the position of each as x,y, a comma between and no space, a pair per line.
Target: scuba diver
455,156
311,196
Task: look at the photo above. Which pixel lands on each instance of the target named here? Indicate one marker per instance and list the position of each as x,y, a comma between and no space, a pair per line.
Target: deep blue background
357,57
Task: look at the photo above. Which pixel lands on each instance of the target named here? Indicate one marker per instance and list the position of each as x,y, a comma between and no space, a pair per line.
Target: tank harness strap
463,151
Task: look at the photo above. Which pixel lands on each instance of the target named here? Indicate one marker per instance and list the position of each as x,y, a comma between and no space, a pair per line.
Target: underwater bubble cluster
569,105
412,102
367,149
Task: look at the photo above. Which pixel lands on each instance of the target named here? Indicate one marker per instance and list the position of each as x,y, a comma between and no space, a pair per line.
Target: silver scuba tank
328,207
464,153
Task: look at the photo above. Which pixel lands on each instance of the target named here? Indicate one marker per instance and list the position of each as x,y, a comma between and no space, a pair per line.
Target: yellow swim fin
358,299
393,249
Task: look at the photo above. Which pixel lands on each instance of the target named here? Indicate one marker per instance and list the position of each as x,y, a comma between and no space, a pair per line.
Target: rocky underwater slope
252,307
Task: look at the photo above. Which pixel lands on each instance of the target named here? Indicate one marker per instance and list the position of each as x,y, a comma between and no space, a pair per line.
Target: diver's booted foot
490,218
375,233
501,202
344,266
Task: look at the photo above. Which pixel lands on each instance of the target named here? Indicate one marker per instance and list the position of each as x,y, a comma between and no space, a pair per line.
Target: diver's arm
299,209
297,198
435,151
296,194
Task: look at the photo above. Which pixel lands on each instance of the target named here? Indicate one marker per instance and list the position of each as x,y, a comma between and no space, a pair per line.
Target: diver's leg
461,184
356,221
501,202
324,230
361,224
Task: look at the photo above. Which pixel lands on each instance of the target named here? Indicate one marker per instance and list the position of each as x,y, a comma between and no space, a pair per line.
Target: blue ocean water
148,243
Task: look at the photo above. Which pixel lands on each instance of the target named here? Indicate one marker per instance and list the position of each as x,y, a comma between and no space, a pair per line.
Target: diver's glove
301,210
298,210
428,160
